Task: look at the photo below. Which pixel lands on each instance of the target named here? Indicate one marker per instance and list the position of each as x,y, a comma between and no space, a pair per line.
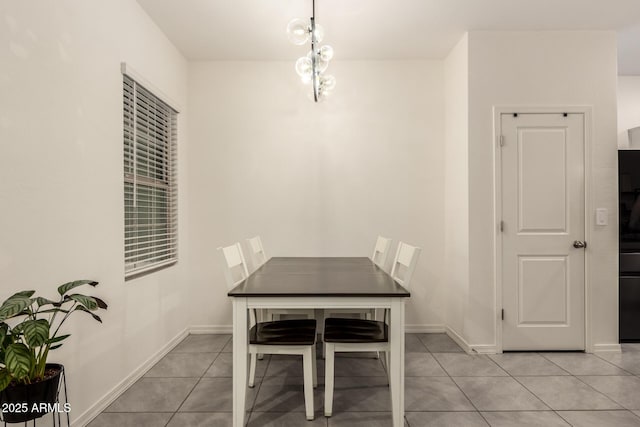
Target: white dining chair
259,257
292,337
362,335
380,254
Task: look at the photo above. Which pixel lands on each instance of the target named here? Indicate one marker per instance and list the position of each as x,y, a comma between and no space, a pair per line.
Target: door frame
587,112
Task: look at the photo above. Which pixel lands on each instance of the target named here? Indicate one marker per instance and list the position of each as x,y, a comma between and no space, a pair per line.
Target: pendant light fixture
311,67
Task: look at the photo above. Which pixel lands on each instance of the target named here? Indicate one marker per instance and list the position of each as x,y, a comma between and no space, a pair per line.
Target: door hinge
501,226
502,314
501,140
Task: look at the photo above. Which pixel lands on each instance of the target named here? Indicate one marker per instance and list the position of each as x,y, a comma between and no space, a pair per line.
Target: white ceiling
380,29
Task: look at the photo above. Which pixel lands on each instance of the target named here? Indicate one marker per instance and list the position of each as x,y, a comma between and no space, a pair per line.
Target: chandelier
311,67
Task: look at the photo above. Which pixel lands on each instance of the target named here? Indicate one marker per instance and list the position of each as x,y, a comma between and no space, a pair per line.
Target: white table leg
240,339
396,368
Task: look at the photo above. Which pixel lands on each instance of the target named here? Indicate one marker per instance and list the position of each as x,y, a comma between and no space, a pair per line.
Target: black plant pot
14,398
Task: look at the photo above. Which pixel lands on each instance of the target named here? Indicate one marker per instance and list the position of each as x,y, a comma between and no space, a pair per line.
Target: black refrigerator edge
629,244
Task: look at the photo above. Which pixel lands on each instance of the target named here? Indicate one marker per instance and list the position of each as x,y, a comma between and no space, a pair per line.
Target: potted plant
29,329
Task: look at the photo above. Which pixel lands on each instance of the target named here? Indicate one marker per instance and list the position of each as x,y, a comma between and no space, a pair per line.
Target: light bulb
325,53
318,33
304,67
298,31
327,83
321,65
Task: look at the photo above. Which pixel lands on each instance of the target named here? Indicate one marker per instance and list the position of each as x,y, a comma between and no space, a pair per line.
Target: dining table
319,283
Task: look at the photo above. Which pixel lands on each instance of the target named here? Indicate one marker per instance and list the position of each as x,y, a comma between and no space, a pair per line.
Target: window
150,190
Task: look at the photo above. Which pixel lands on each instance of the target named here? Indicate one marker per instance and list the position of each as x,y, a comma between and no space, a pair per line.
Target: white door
543,211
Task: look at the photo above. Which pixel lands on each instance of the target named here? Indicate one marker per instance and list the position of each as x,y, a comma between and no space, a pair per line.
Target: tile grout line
557,411
532,393
459,388
526,388
454,382
601,393
197,382
590,386
538,397
253,404
553,363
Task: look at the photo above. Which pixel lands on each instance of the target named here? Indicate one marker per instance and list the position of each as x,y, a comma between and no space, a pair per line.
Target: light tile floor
191,386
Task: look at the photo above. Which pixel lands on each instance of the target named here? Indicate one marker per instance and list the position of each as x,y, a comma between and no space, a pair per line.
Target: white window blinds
150,190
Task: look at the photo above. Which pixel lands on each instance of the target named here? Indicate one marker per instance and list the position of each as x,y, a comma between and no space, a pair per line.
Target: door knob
579,244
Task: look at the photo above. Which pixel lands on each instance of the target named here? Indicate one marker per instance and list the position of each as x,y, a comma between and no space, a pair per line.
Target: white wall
316,179
628,107
456,73
61,177
312,179
542,69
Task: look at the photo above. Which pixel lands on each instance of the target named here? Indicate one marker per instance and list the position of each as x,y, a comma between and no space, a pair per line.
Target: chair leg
307,363
374,316
386,362
314,367
264,314
328,379
252,369
320,322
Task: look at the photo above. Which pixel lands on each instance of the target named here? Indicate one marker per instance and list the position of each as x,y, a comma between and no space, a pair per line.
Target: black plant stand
57,418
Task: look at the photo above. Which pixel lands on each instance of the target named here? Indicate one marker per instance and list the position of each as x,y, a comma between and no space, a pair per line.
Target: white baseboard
211,329
458,339
607,348
106,400
483,348
424,329
471,348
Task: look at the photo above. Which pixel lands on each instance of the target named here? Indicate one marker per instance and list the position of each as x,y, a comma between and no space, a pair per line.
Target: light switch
602,216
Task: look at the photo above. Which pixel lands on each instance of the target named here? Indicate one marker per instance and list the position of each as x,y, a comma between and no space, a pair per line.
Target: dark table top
326,277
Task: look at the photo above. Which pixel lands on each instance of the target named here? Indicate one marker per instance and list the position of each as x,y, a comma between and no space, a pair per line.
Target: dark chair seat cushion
284,332
354,330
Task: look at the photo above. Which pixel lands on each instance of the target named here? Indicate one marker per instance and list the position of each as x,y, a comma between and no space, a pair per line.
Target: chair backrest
258,255
235,266
405,263
381,252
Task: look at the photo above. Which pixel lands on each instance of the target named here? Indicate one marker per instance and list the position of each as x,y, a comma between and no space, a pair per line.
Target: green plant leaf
21,294
5,340
36,332
88,302
18,360
5,379
63,289
44,301
58,339
101,303
81,308
53,347
16,331
14,306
